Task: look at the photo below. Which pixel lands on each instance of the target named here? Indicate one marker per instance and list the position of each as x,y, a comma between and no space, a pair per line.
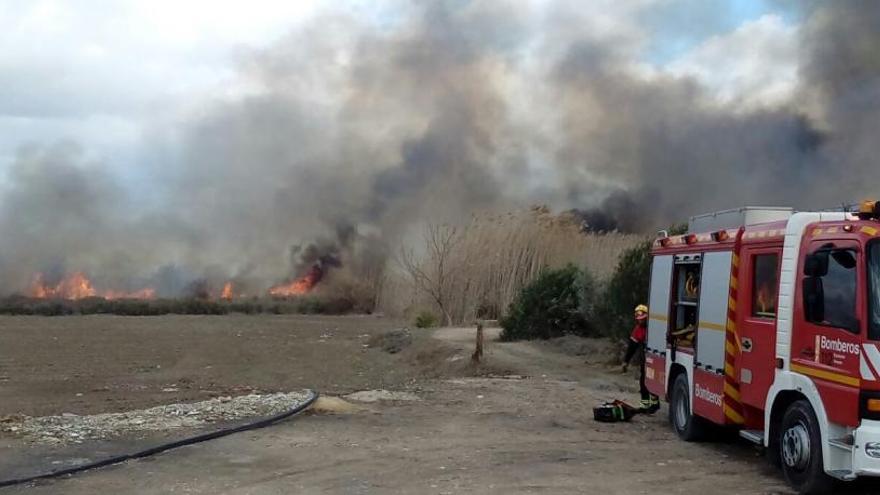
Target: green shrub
337,306
245,307
308,304
626,289
52,309
426,319
558,302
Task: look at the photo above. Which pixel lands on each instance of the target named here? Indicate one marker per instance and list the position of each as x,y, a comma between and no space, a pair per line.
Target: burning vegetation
77,286
299,286
309,265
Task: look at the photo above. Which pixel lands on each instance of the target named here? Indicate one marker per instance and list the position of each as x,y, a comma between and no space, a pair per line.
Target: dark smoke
199,289
322,254
452,107
621,211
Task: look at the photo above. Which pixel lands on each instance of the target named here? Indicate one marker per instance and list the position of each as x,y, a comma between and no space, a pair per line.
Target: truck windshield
874,285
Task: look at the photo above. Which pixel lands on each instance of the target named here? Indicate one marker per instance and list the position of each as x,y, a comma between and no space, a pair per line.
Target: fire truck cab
767,320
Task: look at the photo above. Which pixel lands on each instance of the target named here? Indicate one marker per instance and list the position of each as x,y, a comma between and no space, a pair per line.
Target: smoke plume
352,130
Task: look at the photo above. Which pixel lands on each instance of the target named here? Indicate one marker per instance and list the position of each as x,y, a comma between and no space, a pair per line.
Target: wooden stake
478,352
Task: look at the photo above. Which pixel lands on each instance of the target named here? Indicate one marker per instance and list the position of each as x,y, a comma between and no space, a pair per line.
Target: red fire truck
768,320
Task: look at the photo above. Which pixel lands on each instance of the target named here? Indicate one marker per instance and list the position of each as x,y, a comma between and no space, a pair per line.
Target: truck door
826,335
658,325
756,314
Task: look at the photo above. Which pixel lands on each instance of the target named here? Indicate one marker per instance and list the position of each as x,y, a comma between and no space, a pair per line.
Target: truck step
754,436
841,443
842,474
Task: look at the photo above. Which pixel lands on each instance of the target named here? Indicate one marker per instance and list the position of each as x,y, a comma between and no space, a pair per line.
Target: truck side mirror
814,299
816,264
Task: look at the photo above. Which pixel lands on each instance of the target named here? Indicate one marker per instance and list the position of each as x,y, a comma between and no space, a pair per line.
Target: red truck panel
709,395
655,374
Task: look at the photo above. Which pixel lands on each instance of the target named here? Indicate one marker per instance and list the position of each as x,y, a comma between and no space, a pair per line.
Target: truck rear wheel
800,450
689,428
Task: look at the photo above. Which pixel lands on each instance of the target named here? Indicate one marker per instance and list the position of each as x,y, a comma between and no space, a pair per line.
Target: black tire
689,428
772,453
799,444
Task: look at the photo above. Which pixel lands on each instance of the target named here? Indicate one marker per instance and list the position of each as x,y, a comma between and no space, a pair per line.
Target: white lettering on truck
707,395
837,345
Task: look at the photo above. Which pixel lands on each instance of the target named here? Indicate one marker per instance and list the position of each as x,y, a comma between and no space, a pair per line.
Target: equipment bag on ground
611,412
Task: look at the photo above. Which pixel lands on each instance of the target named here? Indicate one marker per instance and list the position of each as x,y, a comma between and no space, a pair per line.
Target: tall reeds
497,254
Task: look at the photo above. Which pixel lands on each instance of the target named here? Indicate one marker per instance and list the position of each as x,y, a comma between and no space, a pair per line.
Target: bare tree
434,275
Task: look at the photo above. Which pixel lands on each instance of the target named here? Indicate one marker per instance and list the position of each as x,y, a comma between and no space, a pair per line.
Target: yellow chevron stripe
733,415
731,303
733,283
731,392
735,260
869,230
826,375
730,348
729,371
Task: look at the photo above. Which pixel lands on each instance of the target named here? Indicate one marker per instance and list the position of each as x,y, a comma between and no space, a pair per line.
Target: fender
790,381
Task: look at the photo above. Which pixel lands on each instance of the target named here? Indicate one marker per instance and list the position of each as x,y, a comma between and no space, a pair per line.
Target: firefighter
650,403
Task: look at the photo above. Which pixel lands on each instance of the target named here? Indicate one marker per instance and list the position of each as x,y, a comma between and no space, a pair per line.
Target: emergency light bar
869,209
720,236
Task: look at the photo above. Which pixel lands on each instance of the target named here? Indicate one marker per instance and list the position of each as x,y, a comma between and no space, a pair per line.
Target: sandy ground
475,430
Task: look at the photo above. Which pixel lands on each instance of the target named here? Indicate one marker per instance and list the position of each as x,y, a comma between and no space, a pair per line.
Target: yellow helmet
641,308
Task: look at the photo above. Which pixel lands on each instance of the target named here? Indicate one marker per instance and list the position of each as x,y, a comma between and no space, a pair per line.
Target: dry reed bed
494,256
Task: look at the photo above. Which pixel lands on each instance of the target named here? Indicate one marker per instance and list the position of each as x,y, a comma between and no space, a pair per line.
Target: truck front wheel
690,428
800,450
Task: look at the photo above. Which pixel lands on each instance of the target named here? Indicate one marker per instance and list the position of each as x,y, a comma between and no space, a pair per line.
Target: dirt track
468,434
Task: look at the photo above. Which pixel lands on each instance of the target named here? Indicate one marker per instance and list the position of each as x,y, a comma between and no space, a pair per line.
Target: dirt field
92,364
472,431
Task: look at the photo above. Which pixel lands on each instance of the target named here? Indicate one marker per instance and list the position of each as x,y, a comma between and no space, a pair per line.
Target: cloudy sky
102,73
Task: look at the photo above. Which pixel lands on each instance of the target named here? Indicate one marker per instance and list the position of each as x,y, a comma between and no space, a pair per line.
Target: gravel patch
72,428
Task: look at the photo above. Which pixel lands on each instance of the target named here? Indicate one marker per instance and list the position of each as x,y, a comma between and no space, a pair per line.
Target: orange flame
228,292
74,286
299,286
78,286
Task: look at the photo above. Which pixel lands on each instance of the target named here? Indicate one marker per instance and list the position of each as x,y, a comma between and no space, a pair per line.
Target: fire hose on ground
261,423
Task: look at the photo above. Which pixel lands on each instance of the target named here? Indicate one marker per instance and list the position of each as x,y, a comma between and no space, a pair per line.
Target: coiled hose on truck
261,423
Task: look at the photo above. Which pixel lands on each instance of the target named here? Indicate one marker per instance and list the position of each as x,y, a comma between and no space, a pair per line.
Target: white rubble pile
72,428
